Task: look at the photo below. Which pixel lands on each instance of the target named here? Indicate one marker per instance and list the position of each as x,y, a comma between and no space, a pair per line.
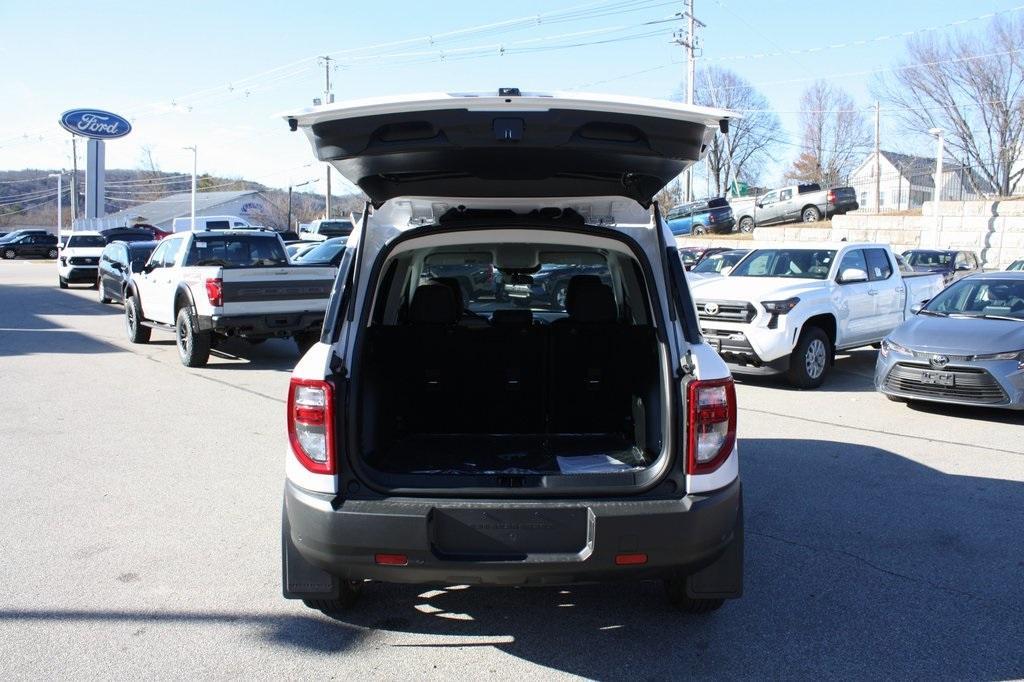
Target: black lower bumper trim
79,275
324,537
263,326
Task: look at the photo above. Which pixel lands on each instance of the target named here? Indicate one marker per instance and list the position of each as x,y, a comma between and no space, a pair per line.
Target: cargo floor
513,454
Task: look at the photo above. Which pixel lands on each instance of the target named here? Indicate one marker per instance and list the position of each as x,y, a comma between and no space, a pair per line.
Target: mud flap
299,578
722,579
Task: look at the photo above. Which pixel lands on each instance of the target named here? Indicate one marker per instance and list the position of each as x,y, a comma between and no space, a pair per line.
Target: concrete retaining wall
992,229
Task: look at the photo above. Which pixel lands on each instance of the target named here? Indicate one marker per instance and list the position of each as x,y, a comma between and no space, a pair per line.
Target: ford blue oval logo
94,123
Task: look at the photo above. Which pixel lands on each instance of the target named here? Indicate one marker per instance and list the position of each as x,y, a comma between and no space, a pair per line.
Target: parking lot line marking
880,431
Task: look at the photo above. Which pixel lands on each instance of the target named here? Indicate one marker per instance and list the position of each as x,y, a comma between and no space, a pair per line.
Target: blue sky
151,61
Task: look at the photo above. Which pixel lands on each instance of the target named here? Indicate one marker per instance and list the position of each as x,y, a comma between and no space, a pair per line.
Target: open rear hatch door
510,145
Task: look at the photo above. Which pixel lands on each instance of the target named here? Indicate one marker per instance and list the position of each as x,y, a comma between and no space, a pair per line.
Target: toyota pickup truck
205,286
796,203
788,309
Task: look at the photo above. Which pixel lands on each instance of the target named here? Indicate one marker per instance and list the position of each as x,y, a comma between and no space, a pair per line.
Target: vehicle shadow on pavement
275,354
308,631
860,563
969,412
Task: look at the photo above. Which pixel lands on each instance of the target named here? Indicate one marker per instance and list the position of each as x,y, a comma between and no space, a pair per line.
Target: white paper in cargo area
593,464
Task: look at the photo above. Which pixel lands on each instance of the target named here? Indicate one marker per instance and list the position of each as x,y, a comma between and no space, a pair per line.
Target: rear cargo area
510,395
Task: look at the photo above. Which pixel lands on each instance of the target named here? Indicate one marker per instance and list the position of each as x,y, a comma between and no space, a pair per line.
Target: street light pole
194,165
60,203
301,184
937,132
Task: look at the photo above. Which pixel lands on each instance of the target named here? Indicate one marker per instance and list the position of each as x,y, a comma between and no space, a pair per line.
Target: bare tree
971,87
754,138
834,136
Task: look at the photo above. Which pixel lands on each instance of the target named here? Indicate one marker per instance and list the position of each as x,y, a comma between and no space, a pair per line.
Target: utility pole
878,162
60,203
328,99
689,42
301,184
195,154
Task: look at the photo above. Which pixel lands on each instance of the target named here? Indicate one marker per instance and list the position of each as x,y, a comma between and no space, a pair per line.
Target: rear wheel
676,590
10,254
811,215
348,595
193,344
746,224
700,229
102,292
809,362
137,332
52,254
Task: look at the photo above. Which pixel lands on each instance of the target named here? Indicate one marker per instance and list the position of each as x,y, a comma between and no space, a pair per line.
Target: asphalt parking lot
141,506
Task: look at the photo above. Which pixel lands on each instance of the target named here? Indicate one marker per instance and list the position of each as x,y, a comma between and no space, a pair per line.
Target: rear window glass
322,253
486,288
139,257
718,202
236,251
335,228
86,241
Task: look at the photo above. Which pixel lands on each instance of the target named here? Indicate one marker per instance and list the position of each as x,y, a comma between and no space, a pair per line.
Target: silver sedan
965,346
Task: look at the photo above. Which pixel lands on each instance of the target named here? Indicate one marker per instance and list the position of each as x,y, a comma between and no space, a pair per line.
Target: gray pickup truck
796,203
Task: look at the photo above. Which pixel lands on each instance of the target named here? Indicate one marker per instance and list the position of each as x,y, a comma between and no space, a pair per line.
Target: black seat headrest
433,304
512,318
588,299
453,284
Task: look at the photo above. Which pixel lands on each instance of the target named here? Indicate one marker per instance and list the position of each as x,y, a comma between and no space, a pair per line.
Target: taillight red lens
831,197
711,424
311,424
215,291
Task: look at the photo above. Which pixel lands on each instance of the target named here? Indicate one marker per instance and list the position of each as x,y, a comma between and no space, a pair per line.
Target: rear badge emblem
711,308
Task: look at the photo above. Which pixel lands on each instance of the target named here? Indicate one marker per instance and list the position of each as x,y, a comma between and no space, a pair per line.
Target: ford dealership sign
99,125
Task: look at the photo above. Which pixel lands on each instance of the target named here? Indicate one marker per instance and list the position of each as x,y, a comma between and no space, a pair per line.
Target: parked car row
796,203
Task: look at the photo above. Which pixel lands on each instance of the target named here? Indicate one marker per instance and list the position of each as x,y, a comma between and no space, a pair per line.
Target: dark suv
701,217
31,245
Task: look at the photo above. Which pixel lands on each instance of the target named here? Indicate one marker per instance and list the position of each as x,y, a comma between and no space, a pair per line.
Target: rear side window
879,267
236,251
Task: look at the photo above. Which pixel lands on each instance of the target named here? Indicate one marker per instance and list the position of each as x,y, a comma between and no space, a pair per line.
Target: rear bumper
842,208
697,534
257,326
723,226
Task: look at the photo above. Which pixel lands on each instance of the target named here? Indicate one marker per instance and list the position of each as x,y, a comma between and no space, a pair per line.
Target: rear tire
746,224
810,360
137,332
52,254
193,344
675,588
348,594
10,254
699,230
102,292
810,215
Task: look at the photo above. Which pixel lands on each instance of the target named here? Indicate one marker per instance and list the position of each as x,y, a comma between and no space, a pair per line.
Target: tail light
831,197
311,424
711,424
711,217
215,291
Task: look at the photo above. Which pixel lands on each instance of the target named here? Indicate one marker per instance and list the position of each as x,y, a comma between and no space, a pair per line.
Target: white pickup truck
788,309
204,286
